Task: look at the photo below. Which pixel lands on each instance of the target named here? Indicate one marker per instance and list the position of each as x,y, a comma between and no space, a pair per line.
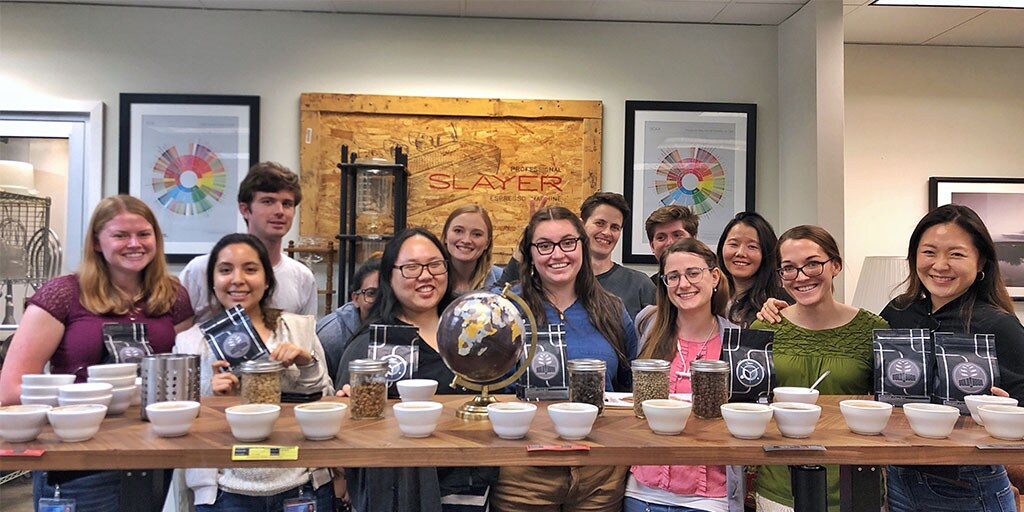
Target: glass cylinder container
586,381
710,383
374,193
650,382
261,381
369,388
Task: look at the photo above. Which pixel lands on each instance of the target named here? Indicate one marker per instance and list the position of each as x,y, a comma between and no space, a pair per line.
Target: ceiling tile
535,9
902,25
997,27
407,7
756,14
677,11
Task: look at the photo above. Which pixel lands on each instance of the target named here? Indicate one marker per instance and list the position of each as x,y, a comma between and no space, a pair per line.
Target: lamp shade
879,281
17,177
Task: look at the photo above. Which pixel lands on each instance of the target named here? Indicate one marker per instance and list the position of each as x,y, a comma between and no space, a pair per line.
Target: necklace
685,374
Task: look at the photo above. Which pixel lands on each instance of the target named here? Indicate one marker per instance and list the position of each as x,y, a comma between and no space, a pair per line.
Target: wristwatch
312,360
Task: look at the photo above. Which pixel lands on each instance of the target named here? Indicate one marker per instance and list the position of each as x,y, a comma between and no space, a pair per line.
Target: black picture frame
184,156
714,174
998,201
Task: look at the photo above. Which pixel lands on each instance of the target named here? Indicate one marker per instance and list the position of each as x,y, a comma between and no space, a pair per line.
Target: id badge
300,504
59,505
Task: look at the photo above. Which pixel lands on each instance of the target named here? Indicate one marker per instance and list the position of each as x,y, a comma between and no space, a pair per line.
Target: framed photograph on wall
698,155
998,201
184,156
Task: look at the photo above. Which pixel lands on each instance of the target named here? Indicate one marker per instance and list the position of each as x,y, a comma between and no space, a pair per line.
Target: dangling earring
715,290
981,275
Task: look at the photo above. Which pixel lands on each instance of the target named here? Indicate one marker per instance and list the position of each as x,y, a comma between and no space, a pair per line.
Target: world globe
480,336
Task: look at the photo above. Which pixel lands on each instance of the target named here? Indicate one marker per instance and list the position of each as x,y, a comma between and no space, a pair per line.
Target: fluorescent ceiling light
1006,4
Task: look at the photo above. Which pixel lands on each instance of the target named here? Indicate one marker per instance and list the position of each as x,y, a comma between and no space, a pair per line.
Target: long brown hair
483,264
98,293
661,342
989,288
604,310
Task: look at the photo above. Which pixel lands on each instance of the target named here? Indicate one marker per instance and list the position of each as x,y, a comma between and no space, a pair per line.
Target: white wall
95,53
916,112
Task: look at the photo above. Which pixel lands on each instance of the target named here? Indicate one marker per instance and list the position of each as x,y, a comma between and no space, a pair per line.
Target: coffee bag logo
903,373
969,378
131,354
544,366
749,372
236,346
396,367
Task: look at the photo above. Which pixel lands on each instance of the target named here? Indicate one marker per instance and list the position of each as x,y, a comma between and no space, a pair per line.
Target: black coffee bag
233,338
965,364
395,344
749,354
545,377
126,342
903,365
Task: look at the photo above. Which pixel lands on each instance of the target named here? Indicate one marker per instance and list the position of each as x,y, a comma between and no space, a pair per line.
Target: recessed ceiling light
997,4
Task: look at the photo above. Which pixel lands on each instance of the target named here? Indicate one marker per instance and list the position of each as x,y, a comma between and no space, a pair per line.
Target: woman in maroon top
123,278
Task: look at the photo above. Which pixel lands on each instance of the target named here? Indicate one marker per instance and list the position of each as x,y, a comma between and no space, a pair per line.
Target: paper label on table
557,447
22,453
264,452
1003,446
793,447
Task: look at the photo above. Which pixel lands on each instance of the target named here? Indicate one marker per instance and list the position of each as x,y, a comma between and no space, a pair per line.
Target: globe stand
476,409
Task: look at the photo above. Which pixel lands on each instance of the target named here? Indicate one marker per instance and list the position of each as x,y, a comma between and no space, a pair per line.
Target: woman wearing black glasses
413,290
815,334
559,285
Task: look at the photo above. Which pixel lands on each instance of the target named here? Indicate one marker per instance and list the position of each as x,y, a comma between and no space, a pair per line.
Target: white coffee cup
932,421
417,419
795,394
511,420
972,401
1003,421
320,421
252,422
573,421
76,423
796,419
172,419
666,417
746,421
865,417
22,423
416,390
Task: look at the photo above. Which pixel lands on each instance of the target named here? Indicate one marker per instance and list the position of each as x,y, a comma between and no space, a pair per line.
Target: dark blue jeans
98,492
230,502
975,488
635,505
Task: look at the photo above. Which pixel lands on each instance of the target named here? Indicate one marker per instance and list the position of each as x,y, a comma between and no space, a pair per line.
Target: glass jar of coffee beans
586,381
650,382
261,381
710,383
369,388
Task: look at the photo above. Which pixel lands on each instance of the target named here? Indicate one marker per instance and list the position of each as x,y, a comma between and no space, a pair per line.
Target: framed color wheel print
184,156
697,155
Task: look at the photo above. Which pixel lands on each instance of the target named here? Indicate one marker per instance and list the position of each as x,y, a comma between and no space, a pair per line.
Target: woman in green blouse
815,334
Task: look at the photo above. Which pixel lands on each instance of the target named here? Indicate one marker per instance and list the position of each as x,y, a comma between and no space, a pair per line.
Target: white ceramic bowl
39,391
100,400
40,400
22,423
47,379
746,421
973,401
417,419
76,423
116,382
84,390
1003,421
172,419
511,420
795,394
796,419
137,397
320,420
252,422
933,421
573,421
122,399
416,390
865,417
113,370
667,417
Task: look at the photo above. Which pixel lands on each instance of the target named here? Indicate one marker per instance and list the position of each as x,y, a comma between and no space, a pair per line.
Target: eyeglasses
415,270
693,274
566,245
811,269
369,294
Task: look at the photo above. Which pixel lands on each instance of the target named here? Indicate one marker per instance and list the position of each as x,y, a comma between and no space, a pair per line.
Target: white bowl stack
122,379
42,389
85,394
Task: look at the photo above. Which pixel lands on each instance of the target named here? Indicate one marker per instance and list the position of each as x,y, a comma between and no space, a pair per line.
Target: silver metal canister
167,377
